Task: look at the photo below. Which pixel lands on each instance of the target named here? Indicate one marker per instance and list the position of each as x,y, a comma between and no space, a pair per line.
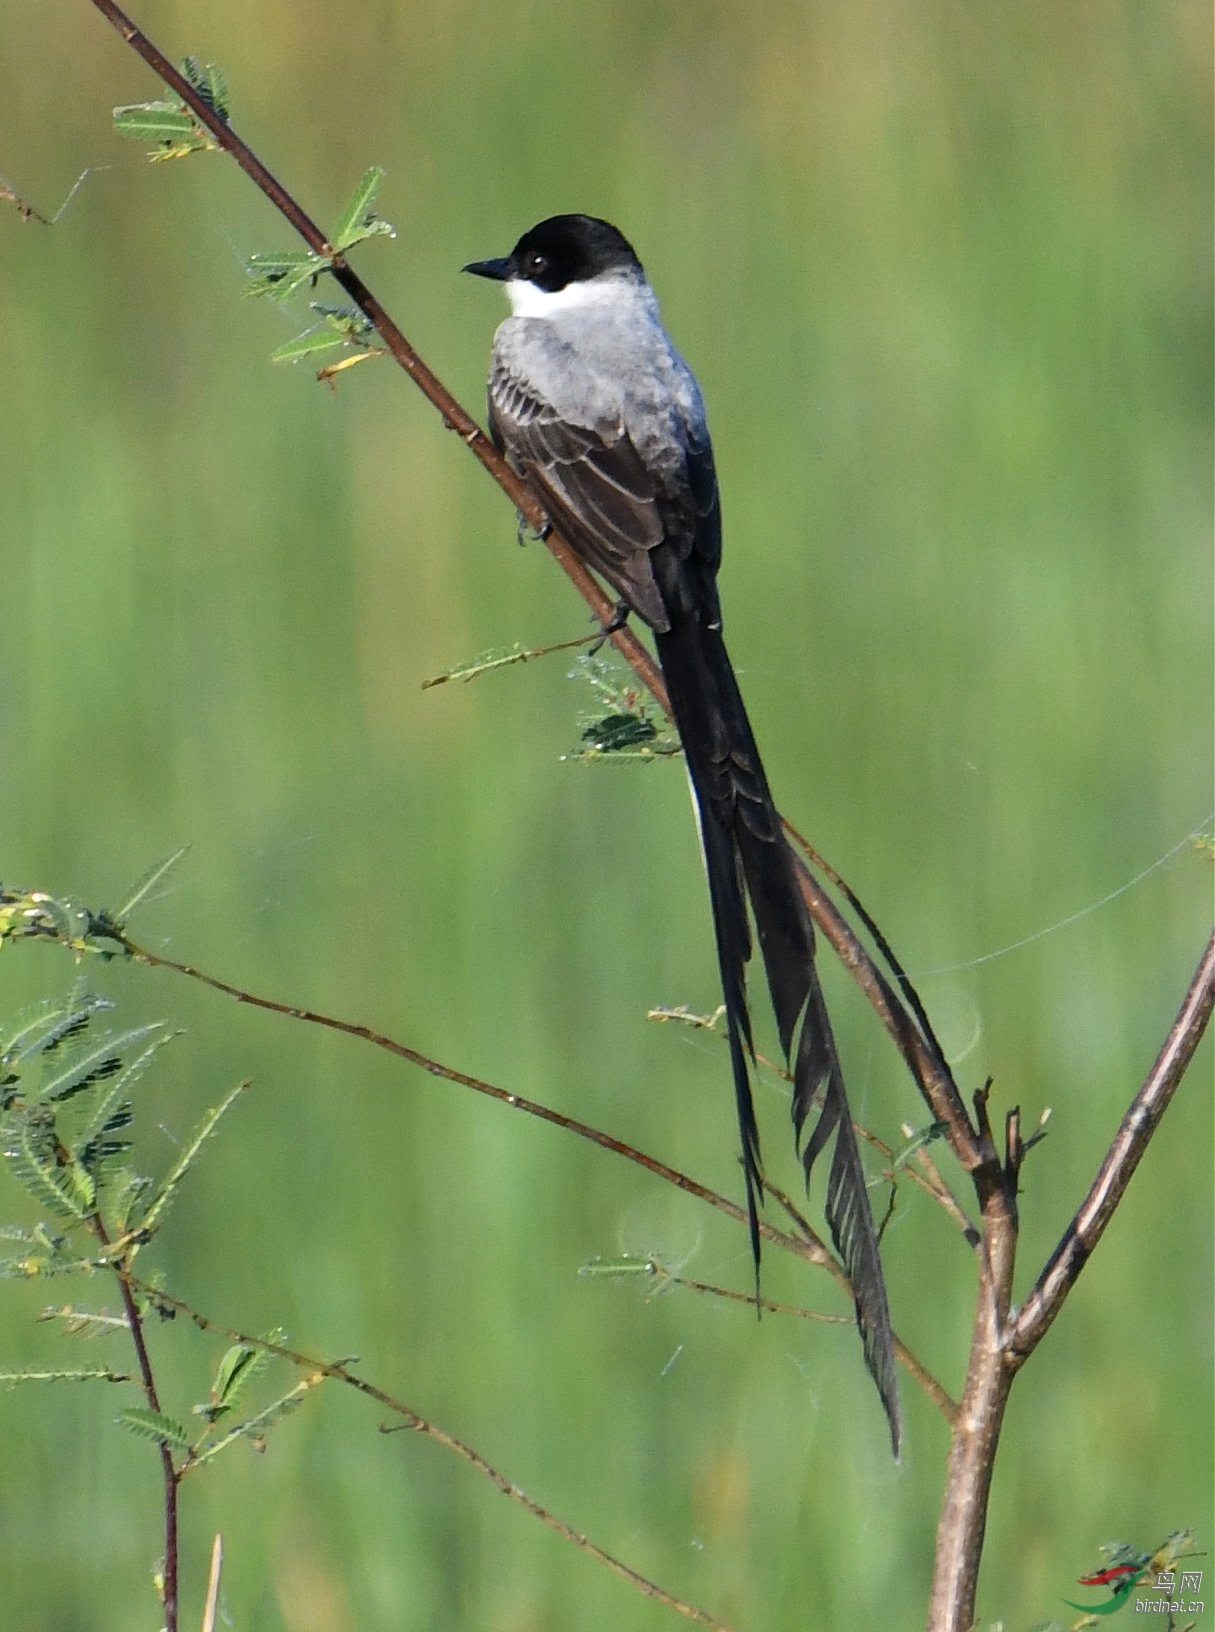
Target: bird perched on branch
593,406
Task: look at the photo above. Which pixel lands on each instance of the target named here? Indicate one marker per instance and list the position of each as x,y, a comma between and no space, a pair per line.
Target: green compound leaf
240,1366
256,1427
279,273
139,892
211,83
110,1110
39,1029
161,122
170,1185
75,1374
359,220
236,1371
307,345
94,1065
623,1268
32,1152
155,1425
339,326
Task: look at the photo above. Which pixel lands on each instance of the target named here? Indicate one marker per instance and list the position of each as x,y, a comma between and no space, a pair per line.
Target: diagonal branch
914,1042
806,1244
455,416
340,1371
1131,1140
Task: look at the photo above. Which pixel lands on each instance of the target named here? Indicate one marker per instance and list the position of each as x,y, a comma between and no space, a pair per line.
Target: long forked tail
747,856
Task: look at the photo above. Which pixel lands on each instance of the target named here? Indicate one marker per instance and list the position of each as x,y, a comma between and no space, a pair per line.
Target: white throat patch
526,300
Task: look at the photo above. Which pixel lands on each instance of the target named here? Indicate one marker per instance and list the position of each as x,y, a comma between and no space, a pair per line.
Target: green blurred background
944,274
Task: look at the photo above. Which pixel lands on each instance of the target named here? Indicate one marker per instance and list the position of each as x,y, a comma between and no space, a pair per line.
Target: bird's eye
536,265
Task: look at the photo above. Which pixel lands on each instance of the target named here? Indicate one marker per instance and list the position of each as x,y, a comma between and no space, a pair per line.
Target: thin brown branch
817,860
27,212
917,1046
806,1244
507,660
820,1253
817,1249
435,1068
732,1294
910,1027
921,1171
150,1394
415,1422
455,416
1129,1143
926,1177
919,1373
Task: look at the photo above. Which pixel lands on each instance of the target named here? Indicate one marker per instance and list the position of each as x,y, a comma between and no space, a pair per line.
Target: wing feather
615,508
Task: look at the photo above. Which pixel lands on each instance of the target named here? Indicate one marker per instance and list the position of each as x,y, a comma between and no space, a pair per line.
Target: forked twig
1004,1338
339,1371
1142,1119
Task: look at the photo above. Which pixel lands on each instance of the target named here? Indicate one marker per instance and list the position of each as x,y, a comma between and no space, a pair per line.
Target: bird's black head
564,249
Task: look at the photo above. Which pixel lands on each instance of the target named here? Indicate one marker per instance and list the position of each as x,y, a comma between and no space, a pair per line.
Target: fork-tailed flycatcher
593,406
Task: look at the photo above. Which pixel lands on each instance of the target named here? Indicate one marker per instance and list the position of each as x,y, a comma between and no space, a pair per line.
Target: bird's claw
616,622
526,530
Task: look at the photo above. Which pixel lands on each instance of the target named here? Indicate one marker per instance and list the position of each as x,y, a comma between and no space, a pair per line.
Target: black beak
499,270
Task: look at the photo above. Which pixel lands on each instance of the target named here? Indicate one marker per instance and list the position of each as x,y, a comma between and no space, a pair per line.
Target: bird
591,404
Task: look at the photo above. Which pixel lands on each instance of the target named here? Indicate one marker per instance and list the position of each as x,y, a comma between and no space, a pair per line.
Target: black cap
564,249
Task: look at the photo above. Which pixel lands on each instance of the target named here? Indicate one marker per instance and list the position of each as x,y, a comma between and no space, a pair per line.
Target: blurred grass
945,277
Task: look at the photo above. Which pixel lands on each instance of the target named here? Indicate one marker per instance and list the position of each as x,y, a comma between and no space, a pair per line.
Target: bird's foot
526,531
617,621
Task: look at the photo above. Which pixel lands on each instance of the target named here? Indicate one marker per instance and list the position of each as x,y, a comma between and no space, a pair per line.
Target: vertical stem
168,1471
166,1460
980,1418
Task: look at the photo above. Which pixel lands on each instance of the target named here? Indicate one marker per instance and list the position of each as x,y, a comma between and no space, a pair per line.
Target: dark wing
613,508
702,494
